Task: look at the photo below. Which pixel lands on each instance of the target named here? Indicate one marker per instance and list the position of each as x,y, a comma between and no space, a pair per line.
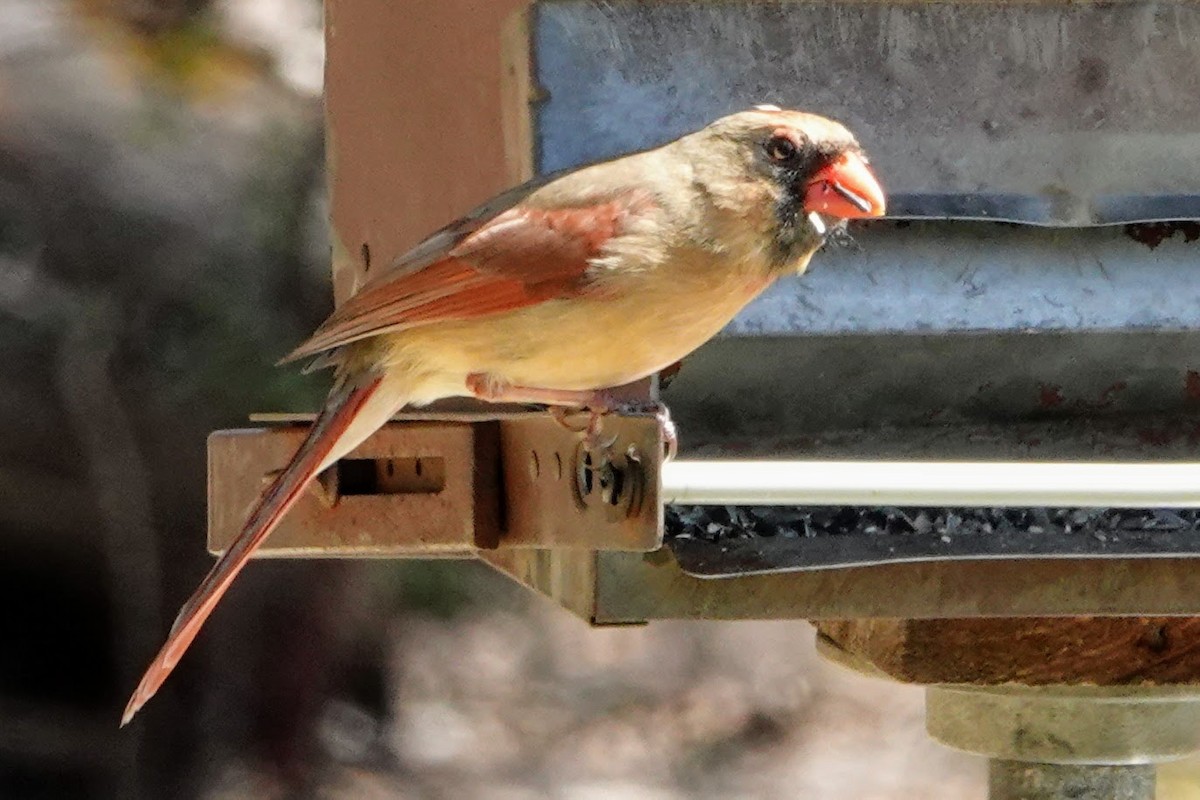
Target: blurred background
162,242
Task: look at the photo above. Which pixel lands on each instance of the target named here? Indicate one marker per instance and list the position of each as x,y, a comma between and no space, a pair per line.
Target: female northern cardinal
556,290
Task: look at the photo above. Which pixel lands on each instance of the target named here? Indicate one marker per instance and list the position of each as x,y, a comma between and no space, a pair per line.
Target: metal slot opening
368,476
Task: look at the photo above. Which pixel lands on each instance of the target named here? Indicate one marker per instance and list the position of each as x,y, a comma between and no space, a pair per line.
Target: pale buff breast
580,343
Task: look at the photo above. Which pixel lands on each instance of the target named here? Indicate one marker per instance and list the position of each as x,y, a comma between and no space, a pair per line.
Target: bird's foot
603,404
670,433
566,403
489,387
593,428
660,412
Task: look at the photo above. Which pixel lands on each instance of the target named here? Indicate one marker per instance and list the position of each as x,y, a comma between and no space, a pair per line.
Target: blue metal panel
1057,114
930,277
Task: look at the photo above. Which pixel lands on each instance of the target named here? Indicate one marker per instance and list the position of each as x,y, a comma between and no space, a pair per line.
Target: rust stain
1050,396
1152,234
1155,437
1191,384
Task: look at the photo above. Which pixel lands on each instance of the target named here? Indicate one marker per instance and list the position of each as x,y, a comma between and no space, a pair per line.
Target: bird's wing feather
519,257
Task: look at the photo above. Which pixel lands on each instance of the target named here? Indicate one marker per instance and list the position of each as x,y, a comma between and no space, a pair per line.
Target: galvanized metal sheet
623,588
1067,114
1132,395
630,587
928,276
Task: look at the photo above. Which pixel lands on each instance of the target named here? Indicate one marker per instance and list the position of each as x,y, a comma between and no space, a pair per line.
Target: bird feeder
964,445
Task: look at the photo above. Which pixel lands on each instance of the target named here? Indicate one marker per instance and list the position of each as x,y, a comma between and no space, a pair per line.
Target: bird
557,290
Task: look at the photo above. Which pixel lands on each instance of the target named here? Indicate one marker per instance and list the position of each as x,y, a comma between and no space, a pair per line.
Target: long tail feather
341,426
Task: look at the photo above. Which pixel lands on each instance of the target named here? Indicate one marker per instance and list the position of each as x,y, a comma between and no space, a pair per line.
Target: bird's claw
595,439
663,414
593,431
669,433
595,425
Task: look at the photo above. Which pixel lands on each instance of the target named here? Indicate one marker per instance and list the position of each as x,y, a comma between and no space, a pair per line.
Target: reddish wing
523,256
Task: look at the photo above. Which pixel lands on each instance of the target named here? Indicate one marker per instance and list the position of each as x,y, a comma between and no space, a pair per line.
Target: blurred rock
696,710
296,49
157,230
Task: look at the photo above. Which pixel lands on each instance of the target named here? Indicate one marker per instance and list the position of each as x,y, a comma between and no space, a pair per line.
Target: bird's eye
781,149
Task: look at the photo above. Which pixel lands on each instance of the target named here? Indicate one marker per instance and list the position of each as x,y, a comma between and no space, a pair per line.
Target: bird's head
805,174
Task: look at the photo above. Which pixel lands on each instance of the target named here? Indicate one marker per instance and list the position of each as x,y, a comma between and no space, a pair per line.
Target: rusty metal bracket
450,484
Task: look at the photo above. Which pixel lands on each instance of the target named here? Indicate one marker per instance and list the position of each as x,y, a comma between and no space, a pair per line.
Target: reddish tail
326,442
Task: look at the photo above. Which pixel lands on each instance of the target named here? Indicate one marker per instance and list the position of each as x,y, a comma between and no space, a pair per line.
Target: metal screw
612,483
608,479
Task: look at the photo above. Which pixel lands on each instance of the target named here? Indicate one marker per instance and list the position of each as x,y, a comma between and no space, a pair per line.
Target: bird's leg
562,402
497,390
597,402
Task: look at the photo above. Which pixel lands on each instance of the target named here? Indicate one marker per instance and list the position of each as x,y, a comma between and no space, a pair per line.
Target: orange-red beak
846,189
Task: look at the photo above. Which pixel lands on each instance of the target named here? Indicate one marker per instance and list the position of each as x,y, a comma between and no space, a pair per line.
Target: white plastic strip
932,483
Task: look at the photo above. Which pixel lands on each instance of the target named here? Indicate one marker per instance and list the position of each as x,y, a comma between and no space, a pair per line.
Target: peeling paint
1152,234
1050,396
1156,437
1191,384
